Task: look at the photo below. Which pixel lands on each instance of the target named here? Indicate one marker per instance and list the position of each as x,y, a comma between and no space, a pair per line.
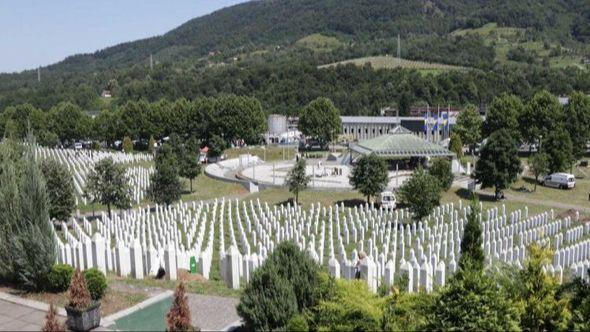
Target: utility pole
399,51
38,74
151,62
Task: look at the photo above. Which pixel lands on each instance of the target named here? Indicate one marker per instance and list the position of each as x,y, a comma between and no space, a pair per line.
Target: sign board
193,267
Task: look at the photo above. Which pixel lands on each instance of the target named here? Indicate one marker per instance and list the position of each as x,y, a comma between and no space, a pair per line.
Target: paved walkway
213,313
17,317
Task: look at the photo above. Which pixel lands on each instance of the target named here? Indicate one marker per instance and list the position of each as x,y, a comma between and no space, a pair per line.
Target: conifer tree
52,324
179,316
472,255
296,179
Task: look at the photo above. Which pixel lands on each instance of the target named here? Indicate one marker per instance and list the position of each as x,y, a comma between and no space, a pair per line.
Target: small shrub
179,316
297,324
127,144
97,283
60,277
52,324
78,293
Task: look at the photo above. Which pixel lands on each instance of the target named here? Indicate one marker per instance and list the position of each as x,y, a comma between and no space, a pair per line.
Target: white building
366,127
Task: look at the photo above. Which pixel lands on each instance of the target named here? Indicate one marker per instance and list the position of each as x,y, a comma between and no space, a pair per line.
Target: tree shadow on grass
467,195
288,202
352,202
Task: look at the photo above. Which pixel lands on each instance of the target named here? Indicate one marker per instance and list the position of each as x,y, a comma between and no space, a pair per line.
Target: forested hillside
253,49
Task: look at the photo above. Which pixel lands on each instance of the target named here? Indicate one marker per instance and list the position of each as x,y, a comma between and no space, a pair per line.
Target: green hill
314,32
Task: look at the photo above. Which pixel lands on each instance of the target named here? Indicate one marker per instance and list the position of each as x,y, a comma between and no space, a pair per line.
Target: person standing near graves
357,268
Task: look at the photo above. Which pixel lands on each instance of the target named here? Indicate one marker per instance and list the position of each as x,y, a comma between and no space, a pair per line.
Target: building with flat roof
358,128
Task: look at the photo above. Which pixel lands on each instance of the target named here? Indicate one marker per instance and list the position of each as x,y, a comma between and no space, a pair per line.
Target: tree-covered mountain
260,38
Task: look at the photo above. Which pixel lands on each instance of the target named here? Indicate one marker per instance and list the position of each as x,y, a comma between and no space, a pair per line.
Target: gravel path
212,313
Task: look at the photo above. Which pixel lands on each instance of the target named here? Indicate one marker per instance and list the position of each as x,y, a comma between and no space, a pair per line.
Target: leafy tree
286,284
108,184
472,256
165,186
133,119
369,176
539,165
468,126
421,192
106,127
471,301
127,144
189,166
69,122
543,311
577,113
321,119
456,145
441,169
540,116
558,147
503,113
60,189
216,146
498,165
238,118
296,179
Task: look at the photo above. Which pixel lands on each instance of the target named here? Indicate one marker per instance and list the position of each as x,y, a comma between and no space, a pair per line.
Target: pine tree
78,293
127,144
179,316
472,256
52,324
455,145
33,244
296,179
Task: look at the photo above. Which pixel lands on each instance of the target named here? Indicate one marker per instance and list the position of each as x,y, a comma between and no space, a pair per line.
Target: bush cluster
59,277
97,283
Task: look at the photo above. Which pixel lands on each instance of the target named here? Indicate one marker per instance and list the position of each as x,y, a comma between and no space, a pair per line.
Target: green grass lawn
388,62
308,197
270,152
205,287
206,188
455,194
319,43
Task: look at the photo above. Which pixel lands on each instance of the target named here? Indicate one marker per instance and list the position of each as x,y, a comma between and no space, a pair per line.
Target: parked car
559,180
387,200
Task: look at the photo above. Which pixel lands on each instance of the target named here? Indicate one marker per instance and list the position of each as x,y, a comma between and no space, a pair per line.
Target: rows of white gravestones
419,255
81,162
379,246
140,241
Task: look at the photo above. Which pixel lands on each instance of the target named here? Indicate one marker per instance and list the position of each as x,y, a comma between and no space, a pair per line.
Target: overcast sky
40,32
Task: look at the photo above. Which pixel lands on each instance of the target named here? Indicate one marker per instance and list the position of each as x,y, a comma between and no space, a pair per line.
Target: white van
559,180
387,200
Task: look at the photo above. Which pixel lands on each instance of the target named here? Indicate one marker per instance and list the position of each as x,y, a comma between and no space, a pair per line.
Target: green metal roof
400,142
